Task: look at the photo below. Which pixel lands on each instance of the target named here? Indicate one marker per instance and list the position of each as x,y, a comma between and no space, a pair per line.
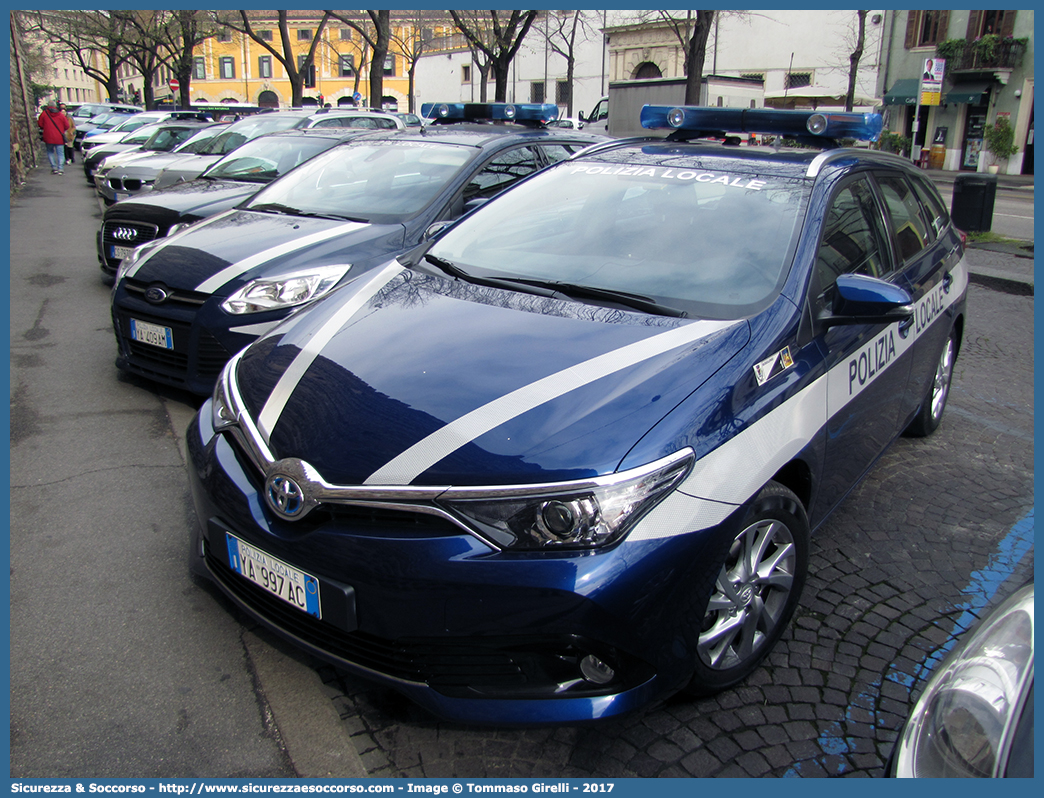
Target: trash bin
973,198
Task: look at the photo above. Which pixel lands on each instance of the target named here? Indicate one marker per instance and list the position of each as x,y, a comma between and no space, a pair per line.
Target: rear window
713,243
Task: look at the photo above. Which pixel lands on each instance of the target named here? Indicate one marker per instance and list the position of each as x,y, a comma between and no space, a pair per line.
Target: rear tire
930,413
757,589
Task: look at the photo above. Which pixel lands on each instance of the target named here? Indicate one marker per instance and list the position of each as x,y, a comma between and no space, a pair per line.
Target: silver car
975,717
122,174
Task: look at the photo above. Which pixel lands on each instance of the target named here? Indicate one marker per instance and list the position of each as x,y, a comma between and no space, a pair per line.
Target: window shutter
944,27
1007,27
913,20
974,24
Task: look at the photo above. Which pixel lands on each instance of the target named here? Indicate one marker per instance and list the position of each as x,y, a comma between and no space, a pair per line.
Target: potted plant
894,142
999,141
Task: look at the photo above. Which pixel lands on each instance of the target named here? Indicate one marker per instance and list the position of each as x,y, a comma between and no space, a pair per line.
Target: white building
802,57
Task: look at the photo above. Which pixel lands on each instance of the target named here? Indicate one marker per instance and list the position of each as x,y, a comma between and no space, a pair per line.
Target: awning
903,92
970,93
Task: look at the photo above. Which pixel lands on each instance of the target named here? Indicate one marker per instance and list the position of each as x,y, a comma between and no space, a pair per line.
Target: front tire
756,591
930,413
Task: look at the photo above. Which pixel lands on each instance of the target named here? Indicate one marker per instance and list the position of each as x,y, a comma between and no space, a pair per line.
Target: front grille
127,234
147,357
211,356
177,296
125,184
437,662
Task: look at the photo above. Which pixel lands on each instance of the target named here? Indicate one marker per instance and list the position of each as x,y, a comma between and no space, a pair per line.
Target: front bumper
203,342
469,633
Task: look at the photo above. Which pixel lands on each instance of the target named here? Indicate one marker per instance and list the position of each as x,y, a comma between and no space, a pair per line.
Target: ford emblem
156,294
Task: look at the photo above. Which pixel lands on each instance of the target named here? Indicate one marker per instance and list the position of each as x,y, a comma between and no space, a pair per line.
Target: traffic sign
174,84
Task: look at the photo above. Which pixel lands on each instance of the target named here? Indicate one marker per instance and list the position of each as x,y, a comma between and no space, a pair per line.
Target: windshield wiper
577,291
493,282
276,207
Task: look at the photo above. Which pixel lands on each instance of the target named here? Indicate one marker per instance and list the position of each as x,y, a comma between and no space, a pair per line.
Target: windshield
264,159
385,181
166,139
200,140
709,243
247,129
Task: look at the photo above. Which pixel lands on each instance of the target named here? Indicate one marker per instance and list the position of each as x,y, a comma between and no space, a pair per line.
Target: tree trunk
382,23
696,55
853,61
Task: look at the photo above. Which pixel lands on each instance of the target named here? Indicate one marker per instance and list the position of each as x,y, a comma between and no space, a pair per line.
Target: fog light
596,671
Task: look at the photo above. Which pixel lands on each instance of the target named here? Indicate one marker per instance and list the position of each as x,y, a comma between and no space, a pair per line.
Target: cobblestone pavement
941,528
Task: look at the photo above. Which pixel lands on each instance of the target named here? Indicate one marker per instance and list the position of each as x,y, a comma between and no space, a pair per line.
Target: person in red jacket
53,125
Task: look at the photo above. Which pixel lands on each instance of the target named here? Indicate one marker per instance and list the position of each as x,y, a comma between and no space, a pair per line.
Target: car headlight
127,263
570,516
223,412
961,725
177,228
284,290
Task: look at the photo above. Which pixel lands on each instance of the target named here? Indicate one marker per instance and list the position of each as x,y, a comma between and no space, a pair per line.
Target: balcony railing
984,53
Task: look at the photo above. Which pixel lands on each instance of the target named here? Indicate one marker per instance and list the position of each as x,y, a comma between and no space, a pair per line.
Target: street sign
174,84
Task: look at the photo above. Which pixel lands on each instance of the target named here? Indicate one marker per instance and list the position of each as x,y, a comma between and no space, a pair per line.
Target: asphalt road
123,666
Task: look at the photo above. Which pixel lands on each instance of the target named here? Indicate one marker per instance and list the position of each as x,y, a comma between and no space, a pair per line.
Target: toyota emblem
124,233
284,496
156,294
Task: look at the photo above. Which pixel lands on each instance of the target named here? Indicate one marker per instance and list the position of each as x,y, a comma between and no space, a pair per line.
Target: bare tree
377,36
241,22
81,35
498,39
561,31
853,59
146,46
411,43
184,30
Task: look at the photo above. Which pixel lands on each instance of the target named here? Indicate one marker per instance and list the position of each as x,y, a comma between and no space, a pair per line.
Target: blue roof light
767,121
461,112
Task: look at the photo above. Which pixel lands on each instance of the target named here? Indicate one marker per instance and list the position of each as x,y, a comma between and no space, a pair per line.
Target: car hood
188,167
220,254
150,163
403,378
198,198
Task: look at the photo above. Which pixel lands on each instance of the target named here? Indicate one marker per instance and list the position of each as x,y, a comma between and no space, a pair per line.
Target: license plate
119,196
153,334
295,587
119,252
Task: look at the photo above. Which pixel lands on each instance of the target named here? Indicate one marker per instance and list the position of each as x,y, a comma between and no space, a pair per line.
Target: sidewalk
1007,182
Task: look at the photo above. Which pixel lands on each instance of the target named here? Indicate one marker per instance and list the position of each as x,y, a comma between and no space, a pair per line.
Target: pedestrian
70,134
53,125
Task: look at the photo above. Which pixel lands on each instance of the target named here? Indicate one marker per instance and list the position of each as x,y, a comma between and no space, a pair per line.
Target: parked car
86,111
98,137
227,279
569,122
260,124
975,716
100,122
144,215
564,459
155,137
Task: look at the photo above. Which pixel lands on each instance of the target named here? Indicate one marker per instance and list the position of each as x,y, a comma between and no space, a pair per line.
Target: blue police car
183,304
564,459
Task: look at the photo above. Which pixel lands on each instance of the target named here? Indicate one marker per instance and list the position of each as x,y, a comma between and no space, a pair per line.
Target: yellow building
233,67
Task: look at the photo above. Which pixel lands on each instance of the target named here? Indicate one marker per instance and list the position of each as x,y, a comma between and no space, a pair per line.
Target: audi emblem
156,294
284,496
124,233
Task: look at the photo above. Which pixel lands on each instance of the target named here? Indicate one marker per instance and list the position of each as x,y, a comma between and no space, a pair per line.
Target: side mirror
434,230
867,300
580,116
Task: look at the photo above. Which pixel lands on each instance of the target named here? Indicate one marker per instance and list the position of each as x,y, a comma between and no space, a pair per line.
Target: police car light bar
507,112
767,121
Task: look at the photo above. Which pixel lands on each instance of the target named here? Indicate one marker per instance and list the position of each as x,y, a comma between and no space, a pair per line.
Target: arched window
268,99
